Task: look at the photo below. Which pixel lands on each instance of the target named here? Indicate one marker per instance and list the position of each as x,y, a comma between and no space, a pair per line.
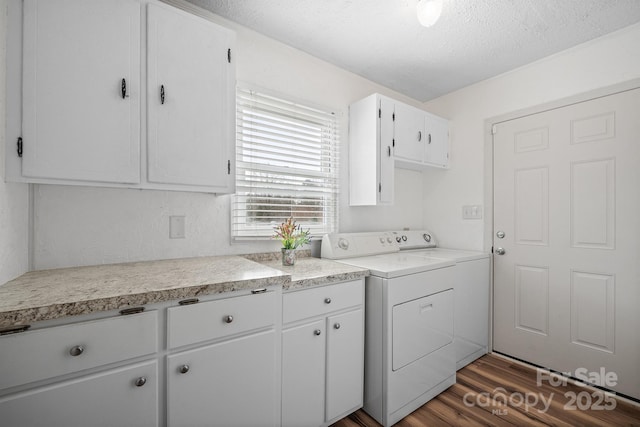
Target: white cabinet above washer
384,134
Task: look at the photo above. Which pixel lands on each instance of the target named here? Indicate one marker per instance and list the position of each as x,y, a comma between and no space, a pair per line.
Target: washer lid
398,264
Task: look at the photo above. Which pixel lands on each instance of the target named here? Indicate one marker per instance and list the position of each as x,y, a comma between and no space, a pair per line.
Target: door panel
566,289
410,138
188,99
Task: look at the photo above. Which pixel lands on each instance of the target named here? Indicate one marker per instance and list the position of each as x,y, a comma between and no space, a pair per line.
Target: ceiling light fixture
428,11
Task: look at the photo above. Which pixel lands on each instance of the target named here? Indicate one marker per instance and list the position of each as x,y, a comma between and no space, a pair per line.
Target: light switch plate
176,227
472,212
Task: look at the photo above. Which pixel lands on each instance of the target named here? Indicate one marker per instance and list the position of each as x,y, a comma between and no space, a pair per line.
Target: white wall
83,225
601,62
14,211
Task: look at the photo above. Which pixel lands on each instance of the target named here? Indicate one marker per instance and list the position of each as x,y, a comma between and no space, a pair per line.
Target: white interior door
566,197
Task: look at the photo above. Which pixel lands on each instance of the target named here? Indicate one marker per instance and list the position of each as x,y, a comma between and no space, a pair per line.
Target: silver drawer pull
317,332
76,350
336,326
183,369
228,319
327,300
139,382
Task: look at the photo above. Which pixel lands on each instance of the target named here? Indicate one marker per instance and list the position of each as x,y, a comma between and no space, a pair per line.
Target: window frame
326,168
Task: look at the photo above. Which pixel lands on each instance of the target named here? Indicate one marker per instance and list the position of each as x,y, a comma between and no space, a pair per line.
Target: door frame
489,153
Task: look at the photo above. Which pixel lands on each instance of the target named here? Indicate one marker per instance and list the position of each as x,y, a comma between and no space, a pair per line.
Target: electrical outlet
472,212
176,227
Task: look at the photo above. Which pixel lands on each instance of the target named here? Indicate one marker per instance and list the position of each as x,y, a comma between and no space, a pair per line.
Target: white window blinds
286,165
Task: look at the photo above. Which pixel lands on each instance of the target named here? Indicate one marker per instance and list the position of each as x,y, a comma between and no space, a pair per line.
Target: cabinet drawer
46,353
318,301
215,319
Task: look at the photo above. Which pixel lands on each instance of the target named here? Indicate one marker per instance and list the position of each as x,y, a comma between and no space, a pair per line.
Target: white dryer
409,316
472,291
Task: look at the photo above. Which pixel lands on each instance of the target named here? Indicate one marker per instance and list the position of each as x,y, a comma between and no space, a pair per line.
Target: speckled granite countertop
50,294
314,272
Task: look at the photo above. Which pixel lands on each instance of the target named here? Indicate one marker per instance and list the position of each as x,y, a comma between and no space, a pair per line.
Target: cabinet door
345,363
78,56
303,380
410,138
191,104
232,383
437,140
126,397
386,162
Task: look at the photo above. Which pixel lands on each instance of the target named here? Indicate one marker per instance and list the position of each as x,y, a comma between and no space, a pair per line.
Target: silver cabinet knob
327,300
336,326
76,350
500,234
183,369
140,381
317,332
228,319
500,251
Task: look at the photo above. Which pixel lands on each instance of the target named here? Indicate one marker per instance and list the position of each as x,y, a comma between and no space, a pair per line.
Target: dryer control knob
404,238
427,237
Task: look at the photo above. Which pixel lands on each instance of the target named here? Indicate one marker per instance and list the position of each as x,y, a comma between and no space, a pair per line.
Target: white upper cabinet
437,141
371,173
81,90
384,134
409,137
189,96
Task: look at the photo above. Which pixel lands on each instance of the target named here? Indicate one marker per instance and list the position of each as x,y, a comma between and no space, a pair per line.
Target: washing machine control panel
350,245
414,239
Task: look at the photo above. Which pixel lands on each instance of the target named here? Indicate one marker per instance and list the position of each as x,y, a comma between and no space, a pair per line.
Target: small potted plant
292,236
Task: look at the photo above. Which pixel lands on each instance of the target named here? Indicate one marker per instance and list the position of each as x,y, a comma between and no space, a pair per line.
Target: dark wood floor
481,388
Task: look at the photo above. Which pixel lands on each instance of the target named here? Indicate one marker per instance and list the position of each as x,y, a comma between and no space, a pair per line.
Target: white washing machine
471,301
409,317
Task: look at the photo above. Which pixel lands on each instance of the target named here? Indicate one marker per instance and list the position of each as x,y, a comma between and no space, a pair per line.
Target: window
286,165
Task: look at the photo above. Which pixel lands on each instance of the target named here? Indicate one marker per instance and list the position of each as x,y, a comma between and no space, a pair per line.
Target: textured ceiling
473,40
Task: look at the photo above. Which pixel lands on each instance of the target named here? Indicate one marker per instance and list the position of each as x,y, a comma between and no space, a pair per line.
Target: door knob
500,251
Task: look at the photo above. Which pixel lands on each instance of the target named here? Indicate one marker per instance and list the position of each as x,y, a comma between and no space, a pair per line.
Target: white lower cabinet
231,377
232,383
126,397
345,373
226,361
89,373
303,374
322,354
